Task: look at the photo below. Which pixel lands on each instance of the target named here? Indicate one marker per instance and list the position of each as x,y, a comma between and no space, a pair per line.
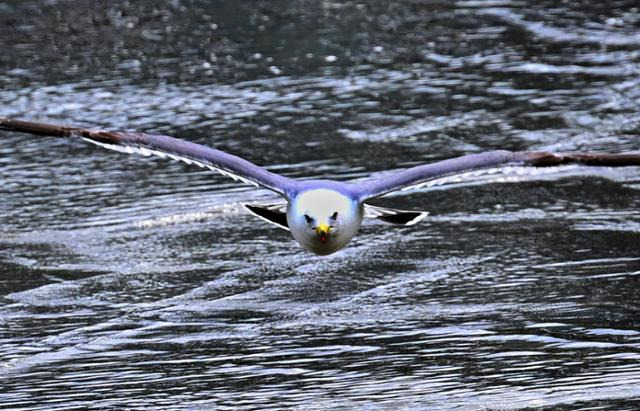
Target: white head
323,220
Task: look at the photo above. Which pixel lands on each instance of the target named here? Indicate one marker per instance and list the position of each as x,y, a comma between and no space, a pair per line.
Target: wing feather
416,176
164,147
394,216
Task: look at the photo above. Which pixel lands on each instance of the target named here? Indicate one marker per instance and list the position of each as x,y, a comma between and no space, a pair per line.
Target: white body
324,207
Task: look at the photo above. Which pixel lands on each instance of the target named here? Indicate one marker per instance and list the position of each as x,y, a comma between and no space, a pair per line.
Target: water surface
129,282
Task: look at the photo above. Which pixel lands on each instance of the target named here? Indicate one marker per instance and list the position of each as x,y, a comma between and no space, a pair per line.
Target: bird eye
334,216
309,219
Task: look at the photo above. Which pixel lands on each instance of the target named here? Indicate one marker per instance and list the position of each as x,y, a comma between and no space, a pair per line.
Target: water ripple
130,283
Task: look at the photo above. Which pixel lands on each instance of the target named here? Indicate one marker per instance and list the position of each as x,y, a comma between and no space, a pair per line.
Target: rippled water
134,283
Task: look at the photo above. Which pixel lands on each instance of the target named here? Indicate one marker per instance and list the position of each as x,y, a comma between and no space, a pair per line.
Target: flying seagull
322,215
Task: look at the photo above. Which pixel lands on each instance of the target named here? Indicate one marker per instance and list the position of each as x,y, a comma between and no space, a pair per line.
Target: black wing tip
33,128
549,159
55,130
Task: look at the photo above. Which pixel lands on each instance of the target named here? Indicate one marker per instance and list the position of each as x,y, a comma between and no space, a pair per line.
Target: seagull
322,215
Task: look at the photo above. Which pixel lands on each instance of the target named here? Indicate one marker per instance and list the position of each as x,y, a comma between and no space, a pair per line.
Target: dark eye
334,215
309,219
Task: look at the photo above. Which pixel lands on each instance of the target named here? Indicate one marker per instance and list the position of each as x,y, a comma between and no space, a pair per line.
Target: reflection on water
127,282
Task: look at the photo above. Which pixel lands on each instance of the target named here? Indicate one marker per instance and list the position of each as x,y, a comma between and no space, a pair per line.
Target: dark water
134,283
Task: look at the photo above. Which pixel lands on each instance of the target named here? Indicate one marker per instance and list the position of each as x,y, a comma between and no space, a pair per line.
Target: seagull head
323,220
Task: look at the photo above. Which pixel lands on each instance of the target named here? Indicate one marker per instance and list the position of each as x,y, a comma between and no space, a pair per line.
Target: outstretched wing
164,146
415,176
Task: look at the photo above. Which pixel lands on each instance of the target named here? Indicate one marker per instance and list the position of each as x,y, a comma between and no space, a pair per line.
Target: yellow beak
323,231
